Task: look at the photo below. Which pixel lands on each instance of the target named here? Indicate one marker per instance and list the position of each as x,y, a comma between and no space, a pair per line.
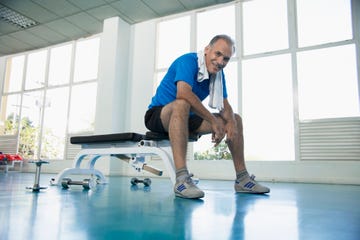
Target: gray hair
226,38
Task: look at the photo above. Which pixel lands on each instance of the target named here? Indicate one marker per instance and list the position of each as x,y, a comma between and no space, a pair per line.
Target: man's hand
218,132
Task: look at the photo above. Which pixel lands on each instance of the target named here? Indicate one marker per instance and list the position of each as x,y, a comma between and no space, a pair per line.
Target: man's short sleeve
186,69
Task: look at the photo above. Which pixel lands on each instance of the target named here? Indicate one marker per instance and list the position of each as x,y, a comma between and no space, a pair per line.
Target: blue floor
119,211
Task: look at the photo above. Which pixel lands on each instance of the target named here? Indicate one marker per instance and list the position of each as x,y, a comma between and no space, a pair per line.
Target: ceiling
57,21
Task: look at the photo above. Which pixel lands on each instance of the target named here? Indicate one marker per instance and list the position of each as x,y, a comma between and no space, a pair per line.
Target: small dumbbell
146,181
86,183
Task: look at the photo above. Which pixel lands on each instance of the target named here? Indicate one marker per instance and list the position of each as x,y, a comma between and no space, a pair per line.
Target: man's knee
181,105
238,120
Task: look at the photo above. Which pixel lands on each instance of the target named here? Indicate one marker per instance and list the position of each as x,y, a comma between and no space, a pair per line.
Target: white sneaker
186,188
249,185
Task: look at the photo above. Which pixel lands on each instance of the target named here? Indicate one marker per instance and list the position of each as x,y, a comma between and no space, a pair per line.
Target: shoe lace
189,179
252,177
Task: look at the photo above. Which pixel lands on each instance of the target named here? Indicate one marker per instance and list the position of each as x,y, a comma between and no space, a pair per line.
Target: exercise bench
130,147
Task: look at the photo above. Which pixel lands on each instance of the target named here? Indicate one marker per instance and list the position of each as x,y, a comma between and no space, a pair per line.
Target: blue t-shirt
184,68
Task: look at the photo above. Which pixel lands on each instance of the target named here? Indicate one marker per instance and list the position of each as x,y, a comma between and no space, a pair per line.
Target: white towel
216,99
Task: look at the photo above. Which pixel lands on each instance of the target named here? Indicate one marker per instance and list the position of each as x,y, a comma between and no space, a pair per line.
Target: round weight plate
65,182
86,183
134,181
147,181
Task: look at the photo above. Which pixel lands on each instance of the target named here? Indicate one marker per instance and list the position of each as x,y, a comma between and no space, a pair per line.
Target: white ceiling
66,20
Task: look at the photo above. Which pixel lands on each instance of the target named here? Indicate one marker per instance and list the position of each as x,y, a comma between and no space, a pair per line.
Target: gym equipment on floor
36,187
129,147
87,183
146,181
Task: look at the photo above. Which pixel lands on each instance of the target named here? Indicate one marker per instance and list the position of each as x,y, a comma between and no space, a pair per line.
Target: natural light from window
265,26
328,83
173,43
279,85
214,22
323,21
57,98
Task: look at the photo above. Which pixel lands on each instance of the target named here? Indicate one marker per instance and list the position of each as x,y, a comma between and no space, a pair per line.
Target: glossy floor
119,211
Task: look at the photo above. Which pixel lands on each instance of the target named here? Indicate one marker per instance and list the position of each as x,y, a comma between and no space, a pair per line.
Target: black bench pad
106,138
164,136
122,137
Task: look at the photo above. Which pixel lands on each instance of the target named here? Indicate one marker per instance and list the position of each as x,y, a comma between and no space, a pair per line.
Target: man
177,109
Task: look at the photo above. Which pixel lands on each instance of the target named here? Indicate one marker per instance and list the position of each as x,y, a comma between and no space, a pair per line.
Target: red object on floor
10,157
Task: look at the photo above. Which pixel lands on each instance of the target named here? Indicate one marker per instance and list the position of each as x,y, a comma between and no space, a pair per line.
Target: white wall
141,74
126,72
113,78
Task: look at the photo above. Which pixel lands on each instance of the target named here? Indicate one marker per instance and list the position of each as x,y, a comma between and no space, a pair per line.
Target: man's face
217,56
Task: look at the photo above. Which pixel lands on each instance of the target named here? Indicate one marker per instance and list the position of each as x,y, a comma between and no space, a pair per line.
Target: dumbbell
86,183
146,181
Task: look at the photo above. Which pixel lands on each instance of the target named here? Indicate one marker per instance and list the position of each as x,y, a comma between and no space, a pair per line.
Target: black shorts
153,121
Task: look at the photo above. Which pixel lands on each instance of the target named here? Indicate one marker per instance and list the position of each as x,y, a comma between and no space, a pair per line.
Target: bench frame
130,147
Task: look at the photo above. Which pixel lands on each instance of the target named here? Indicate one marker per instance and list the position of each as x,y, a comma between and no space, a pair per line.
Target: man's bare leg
236,147
175,121
243,183
175,118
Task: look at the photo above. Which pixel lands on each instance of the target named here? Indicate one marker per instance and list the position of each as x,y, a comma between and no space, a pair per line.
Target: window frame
48,87
292,49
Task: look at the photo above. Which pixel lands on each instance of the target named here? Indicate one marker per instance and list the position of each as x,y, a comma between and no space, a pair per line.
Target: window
298,63
60,65
58,97
327,81
82,111
86,60
268,108
214,22
10,104
323,21
14,74
172,44
265,26
31,115
55,120
35,70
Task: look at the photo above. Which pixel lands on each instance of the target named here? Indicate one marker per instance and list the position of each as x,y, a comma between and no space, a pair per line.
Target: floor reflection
119,211
263,219
247,216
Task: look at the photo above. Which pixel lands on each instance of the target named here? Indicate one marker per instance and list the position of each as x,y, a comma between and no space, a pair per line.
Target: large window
328,83
48,94
296,61
323,21
213,22
268,108
172,45
265,26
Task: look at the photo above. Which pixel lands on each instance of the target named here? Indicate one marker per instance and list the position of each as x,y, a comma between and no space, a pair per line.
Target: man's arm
184,91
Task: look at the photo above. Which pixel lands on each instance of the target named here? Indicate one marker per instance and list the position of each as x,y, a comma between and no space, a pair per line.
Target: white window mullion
193,31
355,6
43,104
72,69
239,40
293,40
